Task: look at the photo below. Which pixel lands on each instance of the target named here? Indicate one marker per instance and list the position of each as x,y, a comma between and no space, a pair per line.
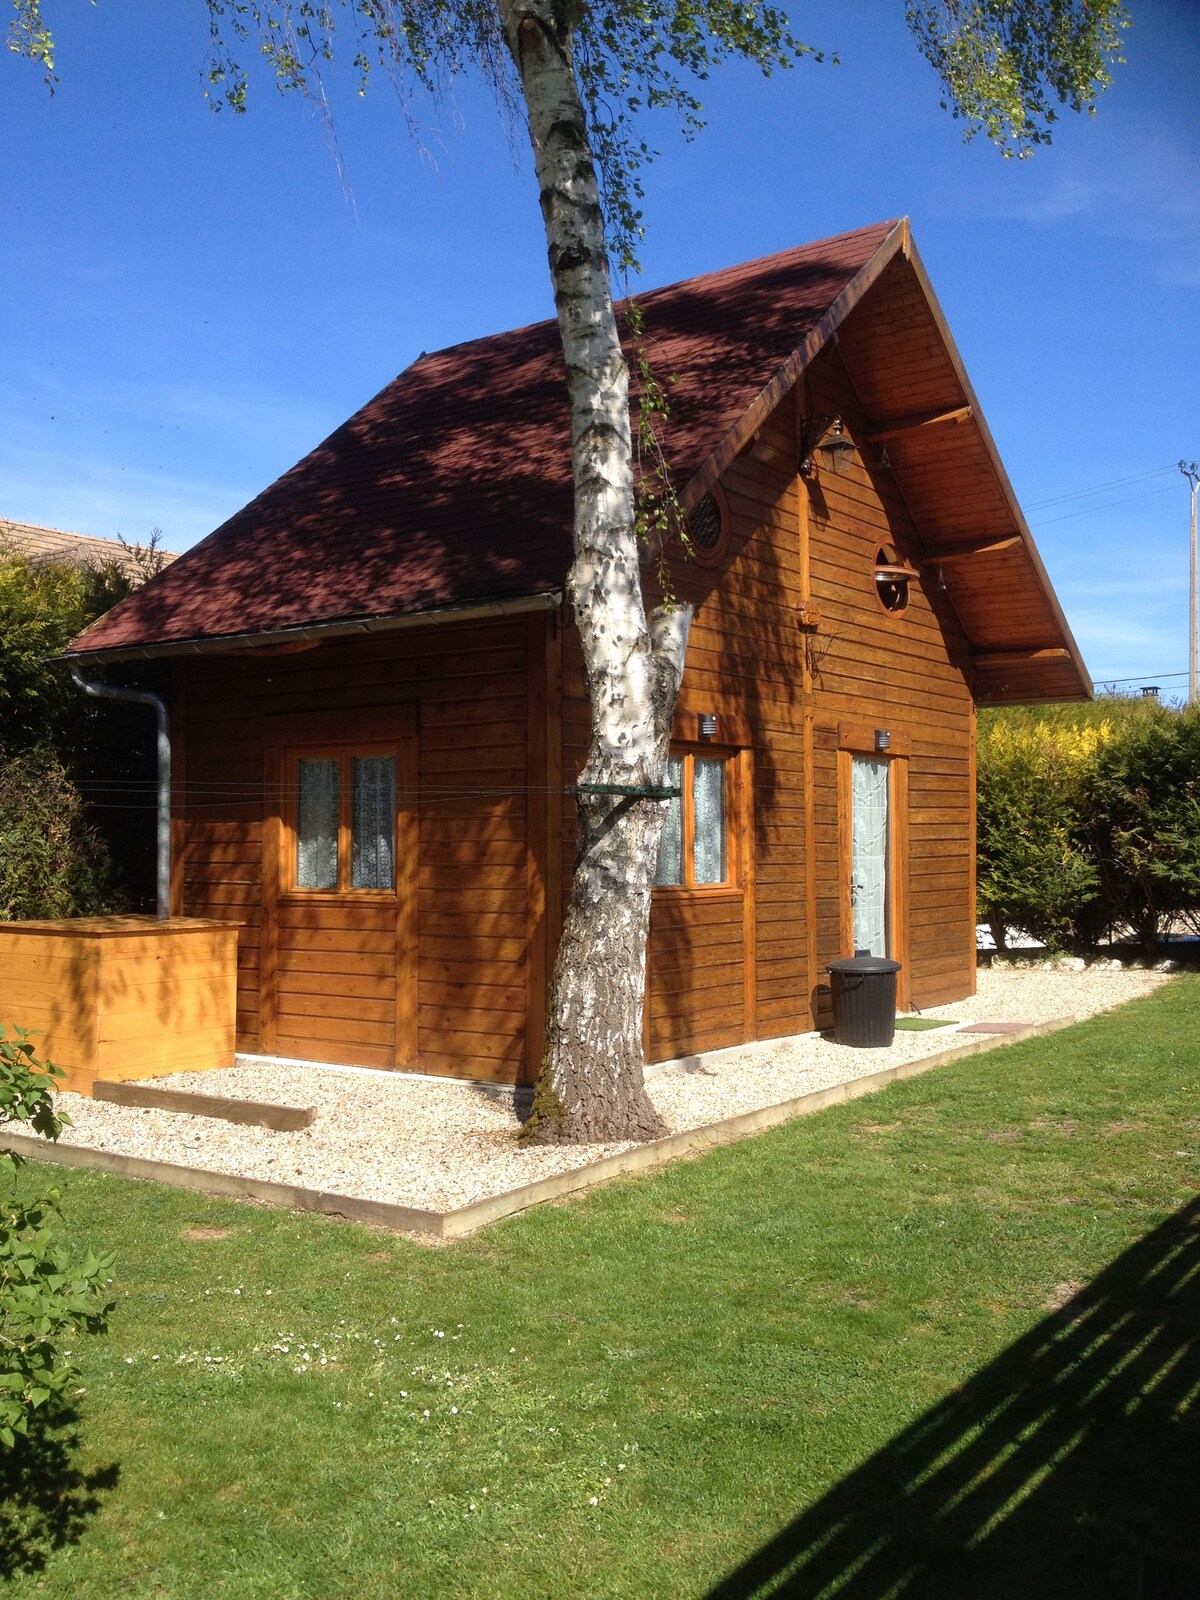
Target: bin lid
856,964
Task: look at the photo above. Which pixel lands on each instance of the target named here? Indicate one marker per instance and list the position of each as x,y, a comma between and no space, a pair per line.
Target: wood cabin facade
381,635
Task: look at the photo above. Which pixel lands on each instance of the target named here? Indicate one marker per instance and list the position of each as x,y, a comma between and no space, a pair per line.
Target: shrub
1035,872
53,863
45,1296
59,857
1144,822
1089,817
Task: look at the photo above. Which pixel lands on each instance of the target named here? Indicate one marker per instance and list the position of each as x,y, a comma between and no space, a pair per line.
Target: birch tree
581,75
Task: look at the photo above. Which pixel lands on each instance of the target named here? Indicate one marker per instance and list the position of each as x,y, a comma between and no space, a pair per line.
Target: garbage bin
864,1000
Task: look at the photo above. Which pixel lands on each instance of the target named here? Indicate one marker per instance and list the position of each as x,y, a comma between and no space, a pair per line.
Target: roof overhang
283,641
976,544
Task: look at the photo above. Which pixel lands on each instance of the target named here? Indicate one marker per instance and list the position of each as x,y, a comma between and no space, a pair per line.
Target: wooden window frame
734,761
715,556
891,557
344,754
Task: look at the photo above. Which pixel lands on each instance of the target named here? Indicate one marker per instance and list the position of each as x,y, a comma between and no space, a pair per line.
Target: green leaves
53,863
1088,817
45,1296
1007,65
28,36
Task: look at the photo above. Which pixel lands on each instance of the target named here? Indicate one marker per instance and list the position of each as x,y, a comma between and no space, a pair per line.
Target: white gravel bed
439,1145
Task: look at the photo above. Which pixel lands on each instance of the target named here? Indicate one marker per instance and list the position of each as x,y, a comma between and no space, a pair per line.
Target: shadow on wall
46,1501
1068,1467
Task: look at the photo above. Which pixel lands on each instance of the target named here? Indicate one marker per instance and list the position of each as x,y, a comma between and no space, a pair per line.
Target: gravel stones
437,1145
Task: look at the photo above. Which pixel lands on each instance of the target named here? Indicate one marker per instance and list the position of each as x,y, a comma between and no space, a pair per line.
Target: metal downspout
143,697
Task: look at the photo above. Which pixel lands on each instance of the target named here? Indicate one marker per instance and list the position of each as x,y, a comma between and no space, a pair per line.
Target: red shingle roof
453,485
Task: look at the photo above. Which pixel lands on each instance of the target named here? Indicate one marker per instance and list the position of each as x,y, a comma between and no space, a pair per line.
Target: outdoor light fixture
837,447
883,740
708,724
826,435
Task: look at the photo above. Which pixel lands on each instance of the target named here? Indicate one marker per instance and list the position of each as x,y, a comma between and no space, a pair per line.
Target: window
344,821
693,851
708,525
892,578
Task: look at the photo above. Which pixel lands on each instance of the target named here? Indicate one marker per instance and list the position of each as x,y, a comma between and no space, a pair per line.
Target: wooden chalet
378,701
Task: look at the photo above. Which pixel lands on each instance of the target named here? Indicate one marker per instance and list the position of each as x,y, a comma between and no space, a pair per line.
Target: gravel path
438,1145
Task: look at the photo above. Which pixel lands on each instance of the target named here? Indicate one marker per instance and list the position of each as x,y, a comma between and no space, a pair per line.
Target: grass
922,1024
843,1337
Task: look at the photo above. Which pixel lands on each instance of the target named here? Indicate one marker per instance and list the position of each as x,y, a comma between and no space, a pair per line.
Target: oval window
891,579
704,525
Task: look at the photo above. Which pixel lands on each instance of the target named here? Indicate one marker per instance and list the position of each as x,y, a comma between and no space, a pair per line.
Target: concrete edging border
457,1224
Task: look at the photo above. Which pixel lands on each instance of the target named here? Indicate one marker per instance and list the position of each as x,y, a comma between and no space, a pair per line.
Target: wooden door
339,903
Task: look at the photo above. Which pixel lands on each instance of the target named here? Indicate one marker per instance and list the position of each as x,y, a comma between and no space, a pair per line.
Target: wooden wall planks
327,982
791,542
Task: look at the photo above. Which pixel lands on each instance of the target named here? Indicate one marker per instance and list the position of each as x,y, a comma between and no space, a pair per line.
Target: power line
1100,488
1094,511
1143,677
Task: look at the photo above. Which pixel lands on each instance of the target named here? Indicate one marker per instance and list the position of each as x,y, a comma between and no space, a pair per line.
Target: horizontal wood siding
747,662
336,962
907,672
744,663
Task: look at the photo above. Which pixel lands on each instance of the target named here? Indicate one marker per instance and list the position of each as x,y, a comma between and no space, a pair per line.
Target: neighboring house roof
44,545
452,487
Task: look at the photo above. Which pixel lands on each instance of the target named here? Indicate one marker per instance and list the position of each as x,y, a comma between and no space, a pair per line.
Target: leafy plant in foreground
45,1296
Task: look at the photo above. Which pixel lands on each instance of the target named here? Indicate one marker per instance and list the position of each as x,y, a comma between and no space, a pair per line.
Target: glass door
870,830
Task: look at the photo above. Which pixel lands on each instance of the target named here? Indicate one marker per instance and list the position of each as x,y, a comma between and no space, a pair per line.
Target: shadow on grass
46,1501
1069,1466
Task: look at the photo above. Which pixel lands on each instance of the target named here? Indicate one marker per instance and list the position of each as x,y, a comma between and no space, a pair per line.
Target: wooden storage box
122,997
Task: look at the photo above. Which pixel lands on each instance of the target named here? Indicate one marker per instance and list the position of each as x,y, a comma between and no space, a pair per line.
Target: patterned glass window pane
670,844
708,793
317,825
373,822
869,858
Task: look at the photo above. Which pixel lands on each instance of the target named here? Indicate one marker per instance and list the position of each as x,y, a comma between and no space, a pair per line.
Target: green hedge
58,855
1089,819
53,862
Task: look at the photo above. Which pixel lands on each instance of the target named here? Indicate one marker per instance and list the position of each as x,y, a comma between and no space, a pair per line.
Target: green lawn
833,1359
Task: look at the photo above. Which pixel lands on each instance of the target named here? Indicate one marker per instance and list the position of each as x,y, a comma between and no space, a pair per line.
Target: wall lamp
708,724
827,437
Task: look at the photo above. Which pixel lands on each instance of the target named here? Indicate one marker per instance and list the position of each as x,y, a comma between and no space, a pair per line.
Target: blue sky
195,299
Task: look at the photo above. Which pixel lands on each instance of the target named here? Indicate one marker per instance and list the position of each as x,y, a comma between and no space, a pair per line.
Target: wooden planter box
122,997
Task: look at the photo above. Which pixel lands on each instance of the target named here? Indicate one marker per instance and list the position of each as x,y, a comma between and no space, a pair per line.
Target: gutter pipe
143,697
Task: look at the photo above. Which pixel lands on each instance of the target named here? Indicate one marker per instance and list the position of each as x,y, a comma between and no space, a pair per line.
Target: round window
891,579
704,525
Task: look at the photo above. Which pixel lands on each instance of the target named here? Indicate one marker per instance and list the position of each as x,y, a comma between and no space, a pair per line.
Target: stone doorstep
468,1219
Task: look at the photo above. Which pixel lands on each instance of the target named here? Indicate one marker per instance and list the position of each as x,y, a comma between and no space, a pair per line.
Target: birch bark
590,1087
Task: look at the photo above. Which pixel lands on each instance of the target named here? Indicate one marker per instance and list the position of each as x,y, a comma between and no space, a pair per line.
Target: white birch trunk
590,1086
